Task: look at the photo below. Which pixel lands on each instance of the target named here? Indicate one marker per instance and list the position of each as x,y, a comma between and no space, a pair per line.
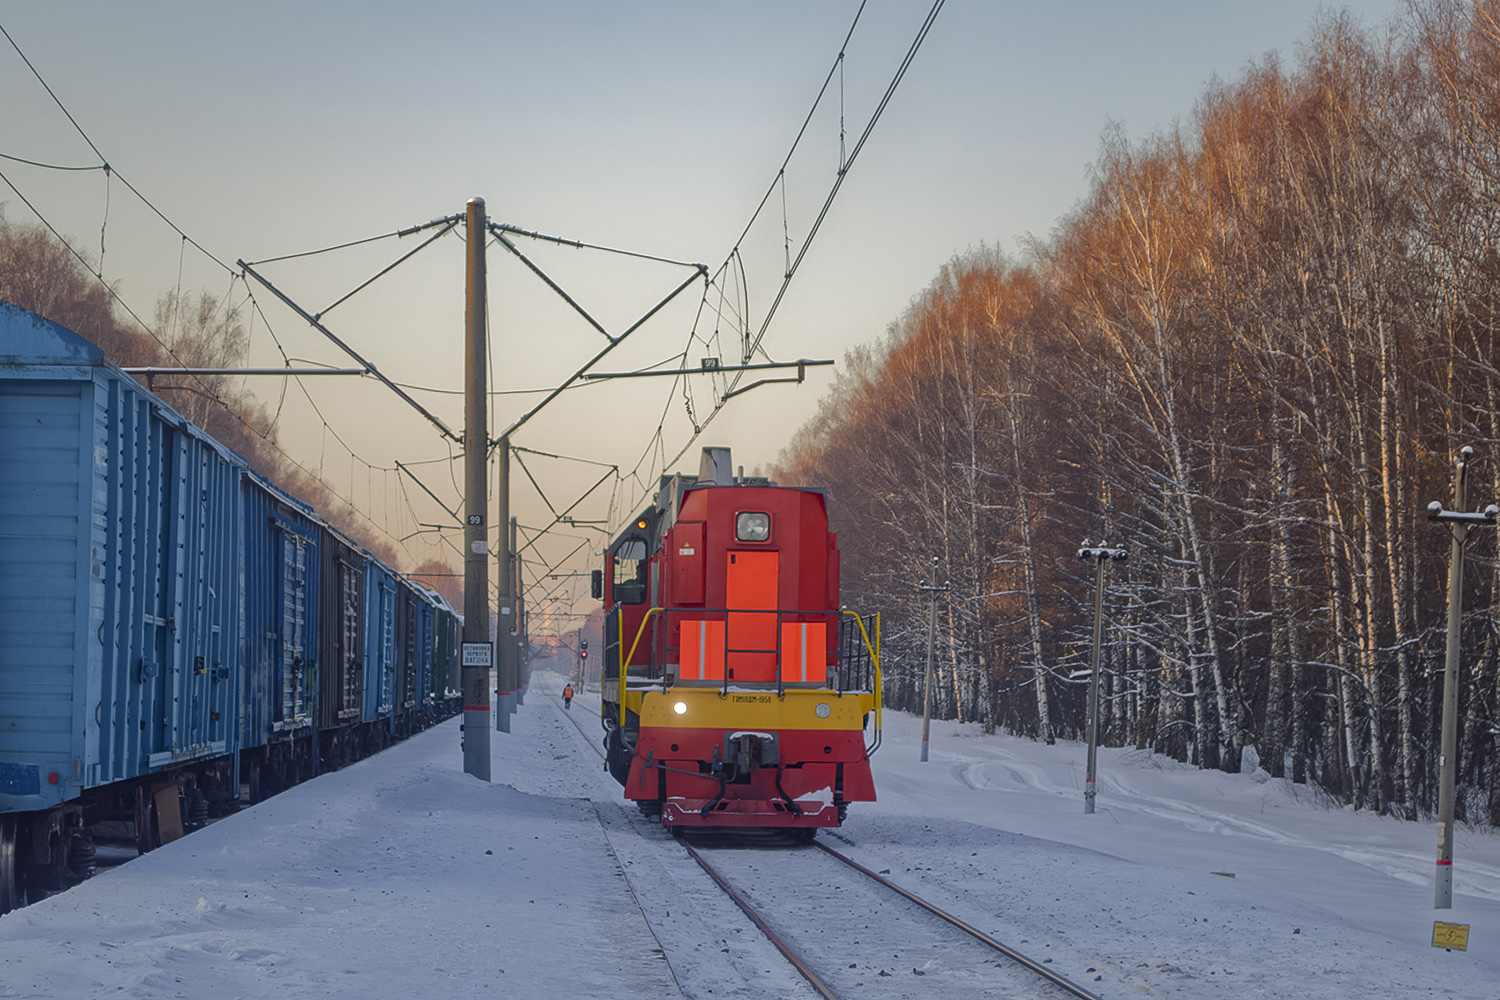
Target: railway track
922,939
945,944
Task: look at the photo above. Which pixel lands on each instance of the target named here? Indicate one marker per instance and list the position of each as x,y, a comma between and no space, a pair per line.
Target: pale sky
279,127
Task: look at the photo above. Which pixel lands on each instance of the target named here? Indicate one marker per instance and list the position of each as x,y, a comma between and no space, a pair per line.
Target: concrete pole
932,592
505,662
1100,554
476,632
1093,763
520,616
1447,762
927,684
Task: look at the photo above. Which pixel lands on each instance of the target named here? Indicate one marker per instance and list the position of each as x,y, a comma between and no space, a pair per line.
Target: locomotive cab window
752,526
630,572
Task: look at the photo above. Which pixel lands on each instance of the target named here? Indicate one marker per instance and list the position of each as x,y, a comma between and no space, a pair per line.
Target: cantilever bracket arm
507,244
412,476
316,325
801,365
701,272
801,373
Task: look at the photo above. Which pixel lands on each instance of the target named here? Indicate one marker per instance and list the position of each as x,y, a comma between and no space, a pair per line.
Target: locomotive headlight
822,710
752,526
680,708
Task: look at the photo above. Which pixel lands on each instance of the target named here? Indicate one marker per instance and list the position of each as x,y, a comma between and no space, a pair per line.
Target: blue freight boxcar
341,650
119,586
172,625
380,644
447,626
278,631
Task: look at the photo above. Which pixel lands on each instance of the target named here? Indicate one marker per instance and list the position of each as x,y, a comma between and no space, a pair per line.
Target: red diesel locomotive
746,691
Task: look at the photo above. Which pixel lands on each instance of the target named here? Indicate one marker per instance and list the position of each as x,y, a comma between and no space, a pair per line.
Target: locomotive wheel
12,891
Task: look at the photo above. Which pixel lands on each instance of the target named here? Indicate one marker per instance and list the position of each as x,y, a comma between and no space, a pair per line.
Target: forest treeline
1249,357
187,330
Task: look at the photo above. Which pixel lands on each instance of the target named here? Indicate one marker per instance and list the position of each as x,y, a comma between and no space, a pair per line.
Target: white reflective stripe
702,650
804,651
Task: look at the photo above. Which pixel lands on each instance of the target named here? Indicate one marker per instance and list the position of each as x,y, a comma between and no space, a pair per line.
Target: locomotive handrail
625,663
879,697
874,652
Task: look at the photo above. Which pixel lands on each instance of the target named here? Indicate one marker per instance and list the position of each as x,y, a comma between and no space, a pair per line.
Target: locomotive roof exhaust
715,467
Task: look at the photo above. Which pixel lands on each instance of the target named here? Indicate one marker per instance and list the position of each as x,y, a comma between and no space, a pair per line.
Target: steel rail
587,739
1057,979
764,927
739,901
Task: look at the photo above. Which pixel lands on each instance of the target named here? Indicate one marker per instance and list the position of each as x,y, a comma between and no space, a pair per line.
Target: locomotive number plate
751,699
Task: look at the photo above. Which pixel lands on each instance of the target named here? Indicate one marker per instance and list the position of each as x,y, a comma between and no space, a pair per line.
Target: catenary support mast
476,635
505,664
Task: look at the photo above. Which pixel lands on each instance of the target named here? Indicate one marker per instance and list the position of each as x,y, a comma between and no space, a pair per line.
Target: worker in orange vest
568,696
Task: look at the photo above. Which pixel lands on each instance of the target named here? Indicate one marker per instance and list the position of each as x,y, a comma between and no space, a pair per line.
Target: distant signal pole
478,650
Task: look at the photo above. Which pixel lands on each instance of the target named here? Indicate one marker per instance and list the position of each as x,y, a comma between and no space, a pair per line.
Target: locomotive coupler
749,749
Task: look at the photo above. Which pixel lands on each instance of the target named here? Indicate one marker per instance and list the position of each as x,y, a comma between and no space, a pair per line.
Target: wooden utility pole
478,651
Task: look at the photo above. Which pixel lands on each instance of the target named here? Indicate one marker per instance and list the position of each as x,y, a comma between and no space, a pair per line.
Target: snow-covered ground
402,877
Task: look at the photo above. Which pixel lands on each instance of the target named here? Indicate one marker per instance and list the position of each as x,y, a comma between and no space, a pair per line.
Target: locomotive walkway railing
873,653
858,655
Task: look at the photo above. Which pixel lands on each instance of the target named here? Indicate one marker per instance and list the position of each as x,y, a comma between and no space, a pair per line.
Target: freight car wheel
252,780
146,839
12,888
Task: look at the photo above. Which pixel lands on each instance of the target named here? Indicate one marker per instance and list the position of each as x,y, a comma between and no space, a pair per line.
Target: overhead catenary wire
113,294
730,293
731,278
502,227
97,273
103,160
110,171
51,166
361,242
754,343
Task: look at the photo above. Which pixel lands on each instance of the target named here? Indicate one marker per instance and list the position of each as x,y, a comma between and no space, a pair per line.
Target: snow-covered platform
402,877
397,877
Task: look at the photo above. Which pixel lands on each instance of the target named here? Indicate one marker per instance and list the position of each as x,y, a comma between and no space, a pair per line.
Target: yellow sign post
1454,937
